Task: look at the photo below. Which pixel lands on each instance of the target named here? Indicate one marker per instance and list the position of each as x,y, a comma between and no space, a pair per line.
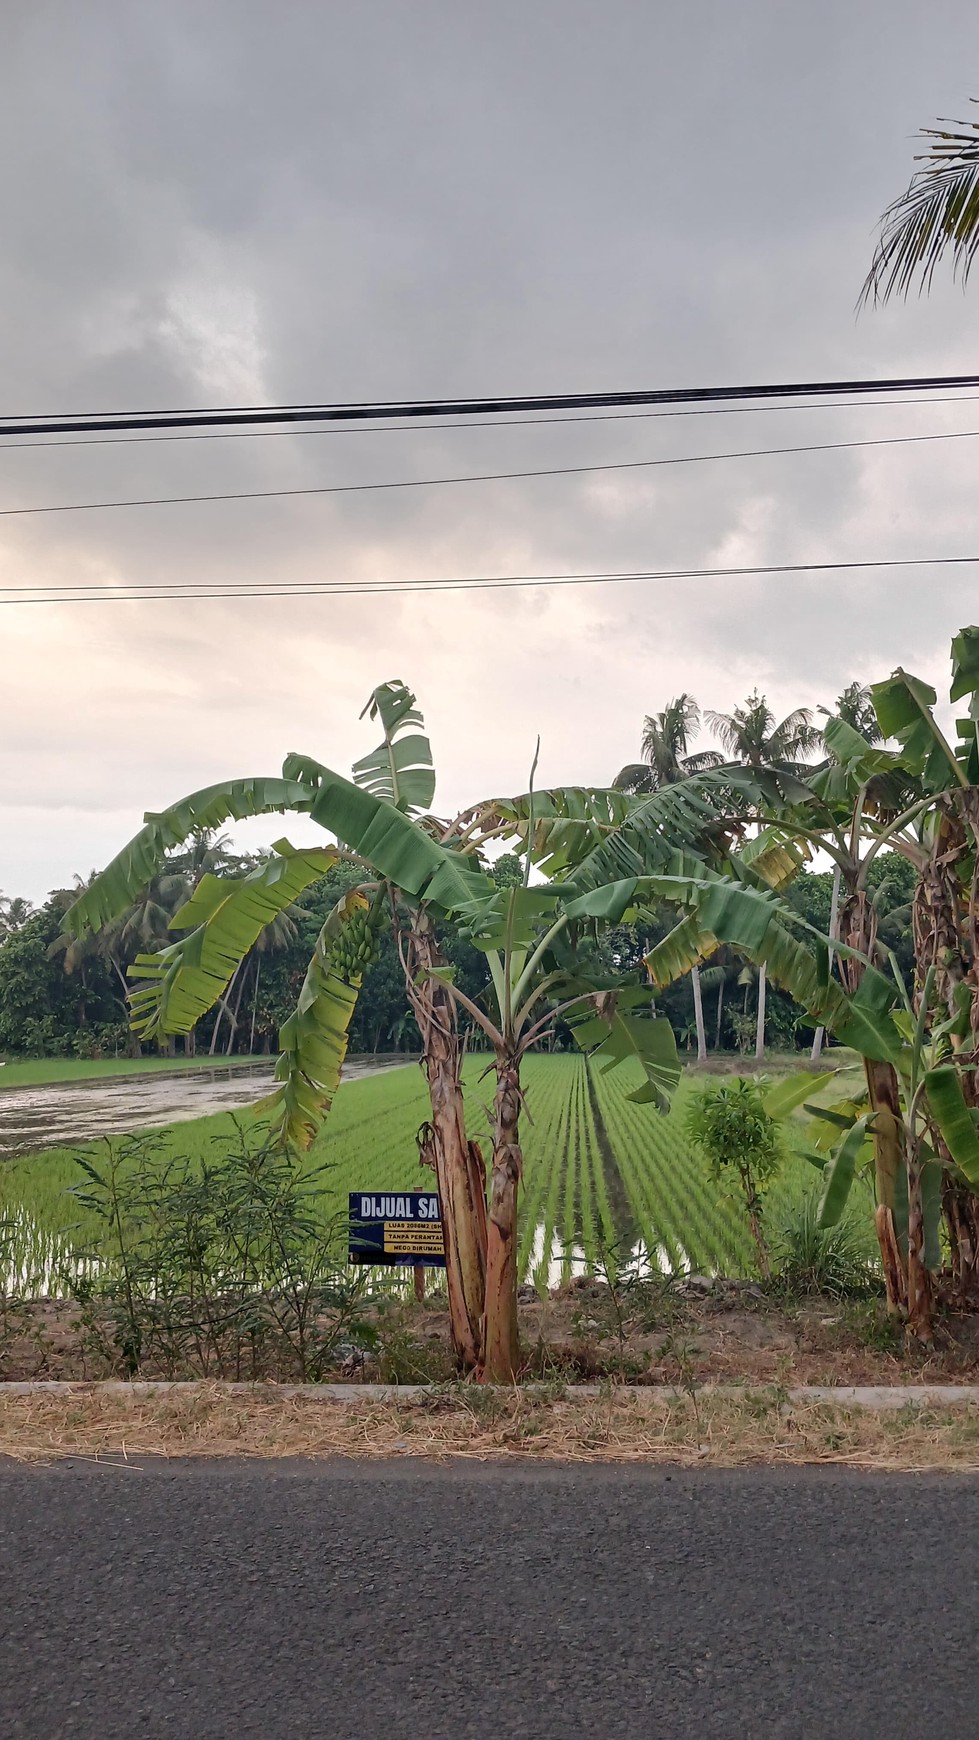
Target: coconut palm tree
938,212
752,736
666,760
665,743
14,912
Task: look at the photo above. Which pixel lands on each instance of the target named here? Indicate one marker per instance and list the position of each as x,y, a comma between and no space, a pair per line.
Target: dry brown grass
649,1426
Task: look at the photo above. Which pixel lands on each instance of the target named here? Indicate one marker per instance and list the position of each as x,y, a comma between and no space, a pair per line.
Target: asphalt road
338,1601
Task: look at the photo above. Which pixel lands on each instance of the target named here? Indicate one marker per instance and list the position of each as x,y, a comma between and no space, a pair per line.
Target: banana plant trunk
443,1144
921,1281
501,1341
888,1135
858,927
944,929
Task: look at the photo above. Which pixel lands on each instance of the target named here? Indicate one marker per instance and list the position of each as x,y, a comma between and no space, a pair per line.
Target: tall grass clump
814,1259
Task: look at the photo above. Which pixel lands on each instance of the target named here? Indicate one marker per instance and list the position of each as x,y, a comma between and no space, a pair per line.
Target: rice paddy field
602,1174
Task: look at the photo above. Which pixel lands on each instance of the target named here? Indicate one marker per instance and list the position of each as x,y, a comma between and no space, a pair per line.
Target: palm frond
938,211
636,777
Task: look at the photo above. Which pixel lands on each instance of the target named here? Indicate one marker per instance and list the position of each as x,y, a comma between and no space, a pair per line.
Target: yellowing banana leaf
775,857
683,948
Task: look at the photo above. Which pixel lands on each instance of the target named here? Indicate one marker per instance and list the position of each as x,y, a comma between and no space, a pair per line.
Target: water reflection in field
61,1114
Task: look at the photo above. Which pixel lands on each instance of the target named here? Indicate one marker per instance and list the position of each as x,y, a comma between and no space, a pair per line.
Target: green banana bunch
355,948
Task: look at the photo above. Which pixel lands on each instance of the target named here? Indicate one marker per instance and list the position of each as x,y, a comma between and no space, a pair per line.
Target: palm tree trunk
834,914
760,1027
135,1049
501,1342
251,1035
698,1010
233,1034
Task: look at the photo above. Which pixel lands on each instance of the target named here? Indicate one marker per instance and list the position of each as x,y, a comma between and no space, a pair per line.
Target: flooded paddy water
59,1114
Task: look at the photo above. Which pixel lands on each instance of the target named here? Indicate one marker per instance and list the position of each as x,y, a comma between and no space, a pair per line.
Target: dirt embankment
669,1335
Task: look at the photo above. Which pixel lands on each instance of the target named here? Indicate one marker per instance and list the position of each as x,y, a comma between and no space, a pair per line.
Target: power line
77,507
81,423
485,423
162,591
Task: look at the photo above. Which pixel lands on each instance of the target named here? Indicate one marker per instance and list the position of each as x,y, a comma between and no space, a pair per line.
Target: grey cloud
324,201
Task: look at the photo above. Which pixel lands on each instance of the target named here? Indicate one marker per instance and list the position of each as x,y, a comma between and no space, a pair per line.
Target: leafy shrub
228,1268
729,1121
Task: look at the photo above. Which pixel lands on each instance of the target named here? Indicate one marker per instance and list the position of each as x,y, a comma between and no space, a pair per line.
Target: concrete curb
869,1396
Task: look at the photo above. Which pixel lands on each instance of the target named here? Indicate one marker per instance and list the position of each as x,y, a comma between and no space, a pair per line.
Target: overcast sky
250,202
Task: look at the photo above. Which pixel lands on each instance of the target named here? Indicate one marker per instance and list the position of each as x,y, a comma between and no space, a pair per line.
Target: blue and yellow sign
401,1230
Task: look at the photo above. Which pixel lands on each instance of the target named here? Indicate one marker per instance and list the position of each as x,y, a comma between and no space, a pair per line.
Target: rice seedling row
667,1201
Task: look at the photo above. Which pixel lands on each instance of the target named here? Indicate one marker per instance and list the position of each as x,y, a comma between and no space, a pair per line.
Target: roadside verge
908,1428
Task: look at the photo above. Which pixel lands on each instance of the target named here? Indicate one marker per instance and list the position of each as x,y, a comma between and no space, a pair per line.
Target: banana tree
530,937
939,836
405,867
933,1131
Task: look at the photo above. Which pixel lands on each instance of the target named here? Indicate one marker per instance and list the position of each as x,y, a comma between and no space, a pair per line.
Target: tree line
61,996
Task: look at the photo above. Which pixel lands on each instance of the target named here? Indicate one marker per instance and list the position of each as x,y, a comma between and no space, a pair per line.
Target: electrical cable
82,423
77,507
485,423
181,591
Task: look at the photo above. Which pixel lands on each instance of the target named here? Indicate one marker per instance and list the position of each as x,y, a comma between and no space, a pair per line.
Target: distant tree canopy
62,1001
48,1011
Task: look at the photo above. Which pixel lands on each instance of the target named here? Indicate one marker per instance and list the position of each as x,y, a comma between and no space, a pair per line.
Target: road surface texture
343,1601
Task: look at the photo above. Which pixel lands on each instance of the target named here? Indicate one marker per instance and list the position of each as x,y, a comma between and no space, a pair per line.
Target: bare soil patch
666,1335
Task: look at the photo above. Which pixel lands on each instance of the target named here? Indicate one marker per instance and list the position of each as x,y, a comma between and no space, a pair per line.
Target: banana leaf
401,768
839,1173
314,1039
612,1036
903,705
953,1120
223,918
786,1096
120,882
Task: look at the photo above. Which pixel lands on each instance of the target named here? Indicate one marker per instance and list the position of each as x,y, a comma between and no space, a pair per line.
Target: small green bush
230,1267
729,1121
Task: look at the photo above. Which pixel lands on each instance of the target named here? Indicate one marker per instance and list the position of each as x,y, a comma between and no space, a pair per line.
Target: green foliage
730,1121
601,1170
812,1258
230,1268
222,921
401,769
